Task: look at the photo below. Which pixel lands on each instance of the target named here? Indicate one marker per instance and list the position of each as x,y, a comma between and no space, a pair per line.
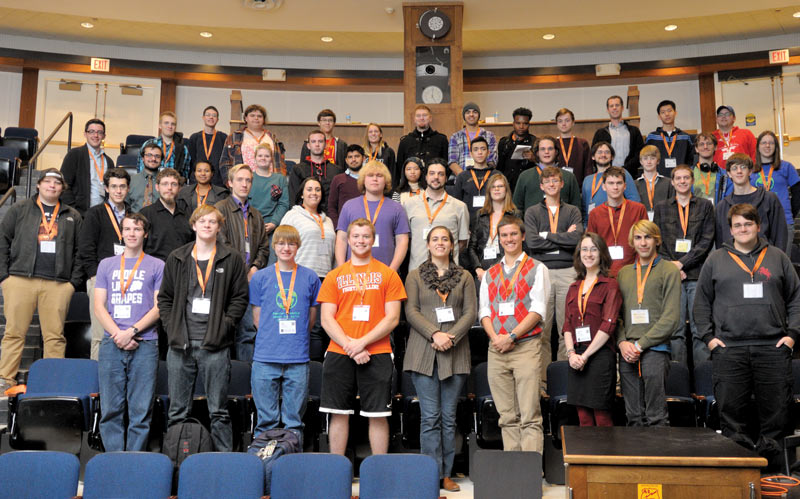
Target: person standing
412,182
125,304
592,309
376,148
674,144
203,191
142,191
509,162
747,310
710,181
513,308
84,169
207,146
174,153
469,185
344,186
574,155
651,186
528,191
39,270
651,298
314,164
203,296
591,193
460,148
335,148
624,138
441,308
732,139
269,193
423,142
169,220
240,147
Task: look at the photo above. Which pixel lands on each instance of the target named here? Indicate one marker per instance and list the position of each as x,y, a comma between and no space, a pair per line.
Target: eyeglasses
286,244
326,120
95,132
211,115
746,225
593,249
152,156
734,168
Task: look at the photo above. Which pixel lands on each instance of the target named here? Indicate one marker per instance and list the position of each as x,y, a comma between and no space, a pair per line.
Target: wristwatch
135,330
513,337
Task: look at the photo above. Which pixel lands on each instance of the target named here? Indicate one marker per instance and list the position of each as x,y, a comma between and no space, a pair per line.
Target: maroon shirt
600,224
580,159
602,309
343,189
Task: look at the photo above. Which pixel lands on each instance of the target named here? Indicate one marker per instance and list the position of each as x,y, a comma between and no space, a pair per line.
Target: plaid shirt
183,169
459,147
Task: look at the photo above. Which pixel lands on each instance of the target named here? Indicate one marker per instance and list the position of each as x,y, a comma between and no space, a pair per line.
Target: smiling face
649,163
354,160
374,135
615,108
360,240
682,181
132,233
551,186
254,120
705,149
206,227
471,117
50,189
436,176
744,231
264,159
739,174
326,124
117,190
725,119
95,134
203,173
285,250
312,194
167,126
547,152
151,157
602,156
510,239
210,118
439,243
590,254
766,146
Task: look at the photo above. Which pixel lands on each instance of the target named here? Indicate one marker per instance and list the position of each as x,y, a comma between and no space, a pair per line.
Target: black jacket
699,229
76,169
229,297
636,144
341,152
773,218
425,145
304,169
557,248
198,153
479,239
512,168
97,238
188,197
19,237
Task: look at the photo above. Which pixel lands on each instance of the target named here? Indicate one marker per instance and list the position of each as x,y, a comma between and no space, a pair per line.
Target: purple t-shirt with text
138,296
391,221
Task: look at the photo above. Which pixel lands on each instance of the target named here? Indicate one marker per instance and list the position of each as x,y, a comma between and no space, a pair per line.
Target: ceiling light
87,25
206,34
796,14
548,36
670,27
327,39
389,10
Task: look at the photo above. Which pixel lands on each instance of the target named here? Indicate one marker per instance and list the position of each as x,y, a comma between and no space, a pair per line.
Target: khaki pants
22,296
97,329
560,281
514,382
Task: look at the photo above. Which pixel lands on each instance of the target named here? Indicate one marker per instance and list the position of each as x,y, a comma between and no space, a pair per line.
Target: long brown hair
367,145
605,256
776,156
508,204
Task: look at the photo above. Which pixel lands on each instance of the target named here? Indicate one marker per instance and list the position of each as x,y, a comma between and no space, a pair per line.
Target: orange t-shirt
382,285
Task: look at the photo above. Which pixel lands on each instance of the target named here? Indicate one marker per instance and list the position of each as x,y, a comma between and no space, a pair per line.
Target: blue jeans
126,377
678,341
245,340
437,403
182,369
285,384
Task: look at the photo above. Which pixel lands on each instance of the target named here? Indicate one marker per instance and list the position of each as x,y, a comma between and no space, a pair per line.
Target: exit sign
779,56
105,64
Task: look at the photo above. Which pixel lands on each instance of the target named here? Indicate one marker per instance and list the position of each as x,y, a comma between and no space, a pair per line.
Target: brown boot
449,485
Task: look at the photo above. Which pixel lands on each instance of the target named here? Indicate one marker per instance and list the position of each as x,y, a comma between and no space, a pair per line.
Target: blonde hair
645,227
203,210
360,222
170,114
367,145
285,233
508,204
233,171
650,150
374,167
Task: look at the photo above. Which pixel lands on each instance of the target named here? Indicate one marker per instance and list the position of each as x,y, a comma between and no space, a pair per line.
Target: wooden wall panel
27,98
708,102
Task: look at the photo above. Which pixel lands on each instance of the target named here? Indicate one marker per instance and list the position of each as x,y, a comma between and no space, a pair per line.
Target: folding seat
24,140
312,475
312,419
9,167
399,475
707,410
409,412
221,474
556,413
680,404
38,474
133,143
486,425
128,475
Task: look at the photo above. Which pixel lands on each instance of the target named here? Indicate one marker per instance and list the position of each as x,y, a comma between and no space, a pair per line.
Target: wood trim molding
708,101
27,98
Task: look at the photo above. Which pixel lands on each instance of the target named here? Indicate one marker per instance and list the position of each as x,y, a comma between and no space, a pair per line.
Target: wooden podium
658,462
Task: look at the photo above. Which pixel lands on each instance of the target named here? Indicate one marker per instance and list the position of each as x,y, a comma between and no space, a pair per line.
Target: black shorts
343,379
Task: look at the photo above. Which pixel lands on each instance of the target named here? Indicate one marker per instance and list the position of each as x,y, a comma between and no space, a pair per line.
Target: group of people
217,248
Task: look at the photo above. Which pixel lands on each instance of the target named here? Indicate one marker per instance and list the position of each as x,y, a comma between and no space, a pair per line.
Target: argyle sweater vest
519,295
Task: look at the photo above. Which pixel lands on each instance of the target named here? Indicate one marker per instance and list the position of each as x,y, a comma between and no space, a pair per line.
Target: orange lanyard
374,154
767,180
744,267
101,168
318,219
493,228
49,226
475,179
443,296
259,139
566,154
640,283
469,141
683,215
167,156
123,284
287,302
553,218
202,200
428,208
583,299
372,219
671,146
208,148
595,187
361,286
651,190
203,281
706,179
508,286
727,139
114,223
615,230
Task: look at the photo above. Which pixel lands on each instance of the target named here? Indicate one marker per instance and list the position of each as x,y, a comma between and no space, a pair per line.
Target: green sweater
529,192
662,299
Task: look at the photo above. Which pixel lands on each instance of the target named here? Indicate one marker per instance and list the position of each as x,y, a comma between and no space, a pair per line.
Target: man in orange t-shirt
360,306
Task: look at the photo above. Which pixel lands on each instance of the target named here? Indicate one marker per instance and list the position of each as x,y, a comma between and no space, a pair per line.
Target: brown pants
514,383
97,329
22,296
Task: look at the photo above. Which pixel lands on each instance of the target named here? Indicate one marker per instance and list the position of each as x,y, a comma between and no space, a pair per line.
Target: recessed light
206,34
548,36
87,25
327,39
796,14
670,27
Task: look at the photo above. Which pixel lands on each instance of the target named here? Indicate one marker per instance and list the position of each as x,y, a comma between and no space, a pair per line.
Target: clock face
435,23
432,95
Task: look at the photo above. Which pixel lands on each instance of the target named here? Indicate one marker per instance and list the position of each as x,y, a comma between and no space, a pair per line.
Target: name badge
650,215
617,253
567,168
122,312
670,162
47,246
591,207
726,155
118,249
477,201
201,306
425,232
361,313
683,245
489,253
287,327
753,290
469,162
543,235
377,241
505,309
640,316
324,251
445,314
583,334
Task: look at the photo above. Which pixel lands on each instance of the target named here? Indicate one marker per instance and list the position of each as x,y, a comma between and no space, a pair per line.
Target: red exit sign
779,56
105,64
